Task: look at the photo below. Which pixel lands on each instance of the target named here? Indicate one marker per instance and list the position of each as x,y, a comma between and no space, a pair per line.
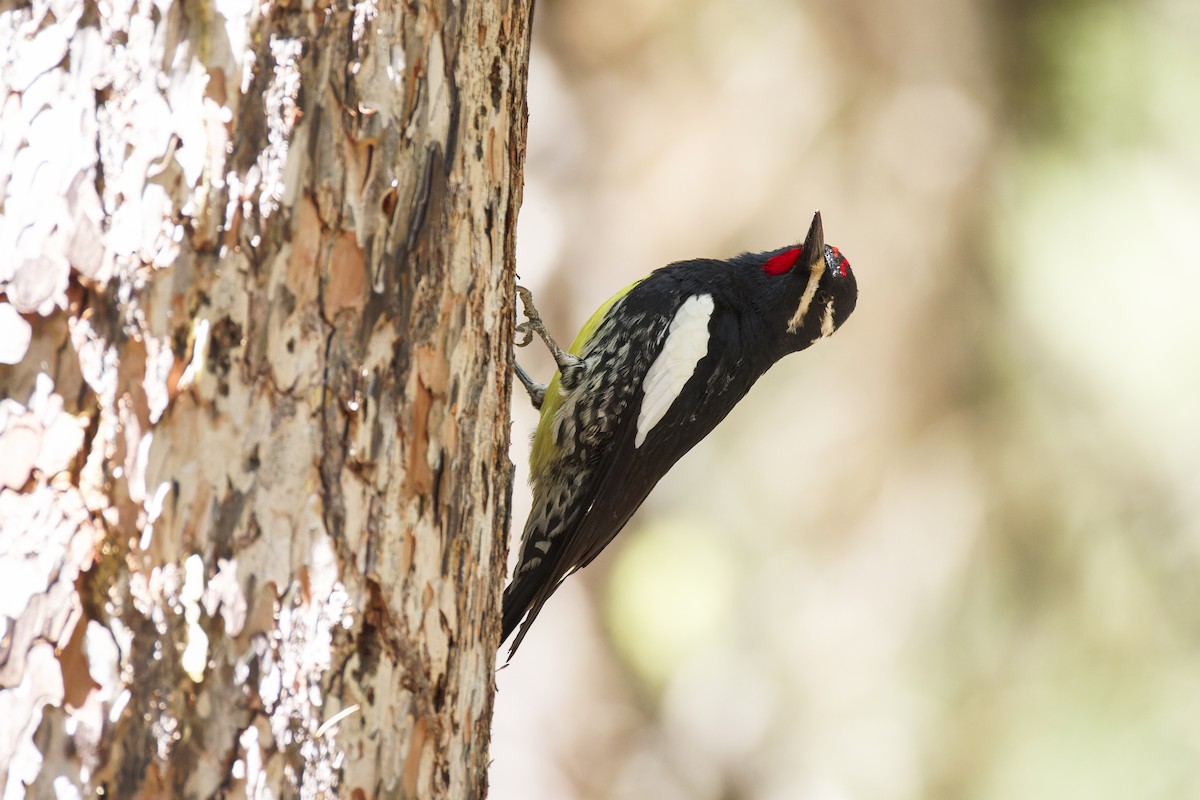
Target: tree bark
256,264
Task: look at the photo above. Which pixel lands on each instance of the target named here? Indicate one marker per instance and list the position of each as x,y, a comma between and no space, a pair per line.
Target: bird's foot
537,391
533,324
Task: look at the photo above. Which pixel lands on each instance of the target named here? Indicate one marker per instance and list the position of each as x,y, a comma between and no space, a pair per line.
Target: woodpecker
651,373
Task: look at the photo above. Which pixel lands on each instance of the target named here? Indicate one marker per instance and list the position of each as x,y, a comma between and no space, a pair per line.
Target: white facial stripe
815,272
827,319
685,345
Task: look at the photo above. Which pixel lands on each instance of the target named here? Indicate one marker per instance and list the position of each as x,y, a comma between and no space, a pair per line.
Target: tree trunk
257,265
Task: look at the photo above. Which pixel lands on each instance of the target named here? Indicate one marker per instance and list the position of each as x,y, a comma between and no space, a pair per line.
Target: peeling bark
256,265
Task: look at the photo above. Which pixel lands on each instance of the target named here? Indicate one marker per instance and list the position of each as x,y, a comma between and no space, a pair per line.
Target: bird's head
816,290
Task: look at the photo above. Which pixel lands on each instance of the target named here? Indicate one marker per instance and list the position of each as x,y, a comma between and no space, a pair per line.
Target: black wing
627,474
621,474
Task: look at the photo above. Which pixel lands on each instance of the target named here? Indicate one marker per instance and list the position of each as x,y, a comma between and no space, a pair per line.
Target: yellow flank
542,455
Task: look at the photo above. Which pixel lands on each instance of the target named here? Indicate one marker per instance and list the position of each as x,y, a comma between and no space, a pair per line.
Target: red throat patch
777,265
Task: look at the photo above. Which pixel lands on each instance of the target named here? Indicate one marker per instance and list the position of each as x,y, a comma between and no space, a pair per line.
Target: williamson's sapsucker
651,373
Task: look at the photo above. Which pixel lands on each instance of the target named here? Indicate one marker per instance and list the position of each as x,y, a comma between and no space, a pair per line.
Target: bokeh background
954,551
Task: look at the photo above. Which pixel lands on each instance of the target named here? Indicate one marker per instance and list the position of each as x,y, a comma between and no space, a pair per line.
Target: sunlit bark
256,264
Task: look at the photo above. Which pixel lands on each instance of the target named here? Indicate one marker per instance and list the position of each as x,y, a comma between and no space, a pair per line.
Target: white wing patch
686,344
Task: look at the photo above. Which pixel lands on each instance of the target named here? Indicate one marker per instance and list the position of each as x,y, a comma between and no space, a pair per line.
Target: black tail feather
520,597
528,592
514,609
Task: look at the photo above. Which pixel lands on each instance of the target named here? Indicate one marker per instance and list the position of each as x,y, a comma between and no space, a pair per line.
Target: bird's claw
533,324
533,320
523,329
